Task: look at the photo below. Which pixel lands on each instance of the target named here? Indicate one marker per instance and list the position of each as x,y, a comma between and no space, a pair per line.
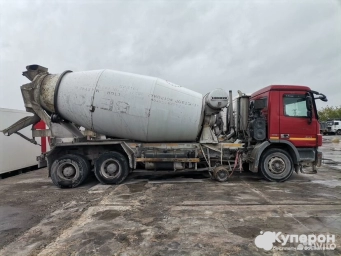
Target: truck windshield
330,123
295,105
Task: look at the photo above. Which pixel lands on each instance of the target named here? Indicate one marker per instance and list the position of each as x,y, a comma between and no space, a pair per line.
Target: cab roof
281,88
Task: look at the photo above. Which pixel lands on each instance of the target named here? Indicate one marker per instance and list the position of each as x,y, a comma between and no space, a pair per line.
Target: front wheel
276,165
338,132
111,168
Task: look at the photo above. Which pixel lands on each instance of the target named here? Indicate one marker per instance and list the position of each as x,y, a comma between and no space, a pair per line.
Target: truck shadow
179,177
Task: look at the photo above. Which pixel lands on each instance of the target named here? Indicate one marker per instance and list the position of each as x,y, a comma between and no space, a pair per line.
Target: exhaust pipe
231,111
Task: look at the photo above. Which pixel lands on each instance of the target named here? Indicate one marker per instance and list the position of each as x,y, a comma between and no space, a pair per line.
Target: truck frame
274,131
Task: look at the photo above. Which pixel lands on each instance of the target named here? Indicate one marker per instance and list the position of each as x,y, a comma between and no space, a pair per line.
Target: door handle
285,136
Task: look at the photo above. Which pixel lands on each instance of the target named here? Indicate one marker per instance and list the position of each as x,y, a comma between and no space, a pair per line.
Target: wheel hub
112,168
221,173
69,171
276,165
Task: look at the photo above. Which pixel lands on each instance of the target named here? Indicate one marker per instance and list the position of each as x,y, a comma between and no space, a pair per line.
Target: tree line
329,113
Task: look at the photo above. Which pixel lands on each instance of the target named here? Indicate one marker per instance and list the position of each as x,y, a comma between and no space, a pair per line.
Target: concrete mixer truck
113,123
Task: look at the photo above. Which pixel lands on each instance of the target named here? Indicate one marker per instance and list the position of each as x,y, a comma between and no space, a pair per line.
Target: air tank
123,105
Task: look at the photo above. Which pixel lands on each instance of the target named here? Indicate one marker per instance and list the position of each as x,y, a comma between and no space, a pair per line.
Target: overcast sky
200,45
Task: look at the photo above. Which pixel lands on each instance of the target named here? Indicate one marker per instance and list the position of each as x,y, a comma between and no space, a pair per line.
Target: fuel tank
124,105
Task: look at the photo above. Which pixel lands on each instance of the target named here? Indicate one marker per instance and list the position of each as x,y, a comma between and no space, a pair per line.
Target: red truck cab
292,122
287,115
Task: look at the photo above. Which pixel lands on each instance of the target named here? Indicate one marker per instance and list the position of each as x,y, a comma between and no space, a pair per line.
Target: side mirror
309,102
323,98
310,115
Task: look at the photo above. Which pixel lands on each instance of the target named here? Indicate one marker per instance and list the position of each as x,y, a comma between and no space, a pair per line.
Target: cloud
200,45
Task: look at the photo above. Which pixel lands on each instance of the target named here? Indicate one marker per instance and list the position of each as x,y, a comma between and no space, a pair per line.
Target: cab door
295,125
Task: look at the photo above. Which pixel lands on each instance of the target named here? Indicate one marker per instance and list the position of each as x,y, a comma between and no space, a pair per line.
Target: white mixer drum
130,106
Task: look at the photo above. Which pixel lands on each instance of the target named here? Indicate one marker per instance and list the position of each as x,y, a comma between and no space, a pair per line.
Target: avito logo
265,241
283,242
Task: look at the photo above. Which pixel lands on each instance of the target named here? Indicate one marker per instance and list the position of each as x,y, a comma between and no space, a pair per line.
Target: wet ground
169,213
332,151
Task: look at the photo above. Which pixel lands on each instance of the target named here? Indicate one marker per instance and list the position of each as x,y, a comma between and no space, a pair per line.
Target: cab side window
295,105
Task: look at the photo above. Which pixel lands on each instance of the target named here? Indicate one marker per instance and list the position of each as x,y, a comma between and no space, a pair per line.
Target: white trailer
16,153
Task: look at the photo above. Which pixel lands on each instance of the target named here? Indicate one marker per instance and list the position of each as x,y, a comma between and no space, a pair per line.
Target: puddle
33,180
331,151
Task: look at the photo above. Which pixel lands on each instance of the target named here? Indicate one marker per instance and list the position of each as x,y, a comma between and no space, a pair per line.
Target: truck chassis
112,160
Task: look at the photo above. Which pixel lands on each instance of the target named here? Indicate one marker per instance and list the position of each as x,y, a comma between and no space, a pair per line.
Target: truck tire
111,168
70,171
221,174
276,165
338,132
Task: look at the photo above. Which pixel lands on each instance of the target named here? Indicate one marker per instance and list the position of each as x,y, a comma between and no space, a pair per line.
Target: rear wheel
111,168
70,171
276,165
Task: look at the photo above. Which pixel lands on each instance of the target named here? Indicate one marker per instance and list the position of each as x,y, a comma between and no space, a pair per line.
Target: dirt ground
169,213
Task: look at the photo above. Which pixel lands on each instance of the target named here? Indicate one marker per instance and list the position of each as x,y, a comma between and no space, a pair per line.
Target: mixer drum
130,106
